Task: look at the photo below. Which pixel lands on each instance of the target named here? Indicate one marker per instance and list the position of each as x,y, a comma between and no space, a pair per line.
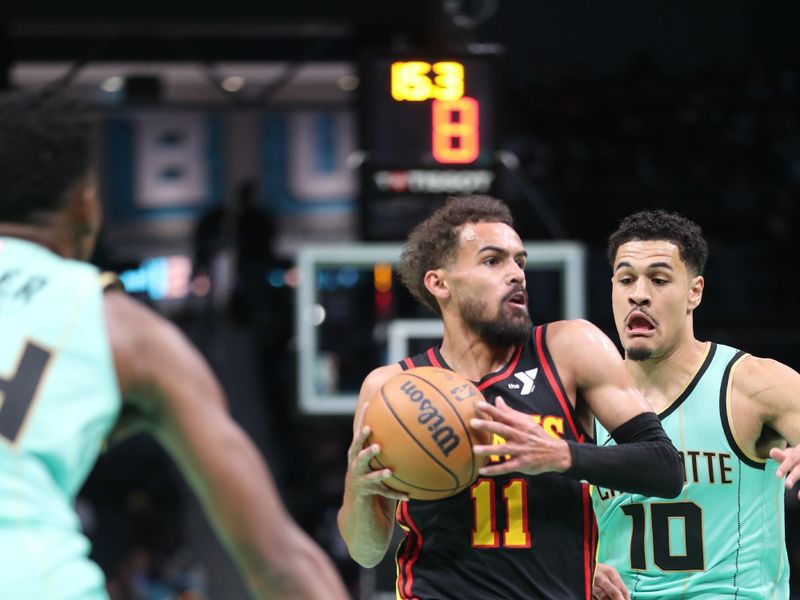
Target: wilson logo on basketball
443,435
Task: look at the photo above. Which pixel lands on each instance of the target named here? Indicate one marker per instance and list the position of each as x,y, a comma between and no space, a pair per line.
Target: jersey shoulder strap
110,281
424,359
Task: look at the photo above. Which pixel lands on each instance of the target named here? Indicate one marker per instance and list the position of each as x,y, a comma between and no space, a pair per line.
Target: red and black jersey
510,536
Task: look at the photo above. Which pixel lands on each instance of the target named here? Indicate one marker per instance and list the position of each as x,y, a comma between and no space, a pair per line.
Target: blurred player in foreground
727,412
75,361
524,529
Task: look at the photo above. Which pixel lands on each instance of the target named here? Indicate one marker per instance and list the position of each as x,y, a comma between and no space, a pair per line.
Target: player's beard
638,354
503,329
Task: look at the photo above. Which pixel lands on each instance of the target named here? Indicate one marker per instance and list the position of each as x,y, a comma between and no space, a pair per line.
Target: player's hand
530,448
608,584
361,479
788,464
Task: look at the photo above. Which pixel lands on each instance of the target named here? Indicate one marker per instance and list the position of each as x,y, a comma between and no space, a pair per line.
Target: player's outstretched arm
771,390
644,460
366,518
167,381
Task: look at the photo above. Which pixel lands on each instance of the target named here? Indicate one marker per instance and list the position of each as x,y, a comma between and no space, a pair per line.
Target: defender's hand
788,464
608,584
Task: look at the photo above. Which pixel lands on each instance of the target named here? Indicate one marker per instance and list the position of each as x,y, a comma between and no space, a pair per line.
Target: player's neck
31,233
663,378
470,356
52,231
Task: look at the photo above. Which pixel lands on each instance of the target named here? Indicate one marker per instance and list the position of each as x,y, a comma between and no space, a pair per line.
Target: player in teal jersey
73,359
727,412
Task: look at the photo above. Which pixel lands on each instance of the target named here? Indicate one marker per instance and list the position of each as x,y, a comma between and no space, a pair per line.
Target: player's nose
516,273
639,294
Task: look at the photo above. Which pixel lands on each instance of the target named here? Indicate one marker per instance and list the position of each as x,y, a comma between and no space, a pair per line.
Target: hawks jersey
509,536
723,536
58,400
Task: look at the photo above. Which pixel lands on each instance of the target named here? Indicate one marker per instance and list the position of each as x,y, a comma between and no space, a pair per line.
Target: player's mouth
517,298
639,324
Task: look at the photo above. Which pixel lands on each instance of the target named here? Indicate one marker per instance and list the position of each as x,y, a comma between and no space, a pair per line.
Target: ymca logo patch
528,379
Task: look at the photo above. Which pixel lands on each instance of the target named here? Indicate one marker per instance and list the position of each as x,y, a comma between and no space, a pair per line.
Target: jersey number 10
662,515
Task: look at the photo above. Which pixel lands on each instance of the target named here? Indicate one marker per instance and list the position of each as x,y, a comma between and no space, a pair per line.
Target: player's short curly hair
434,243
46,147
662,225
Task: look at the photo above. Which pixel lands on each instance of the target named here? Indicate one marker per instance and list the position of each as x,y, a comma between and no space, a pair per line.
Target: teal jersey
723,536
59,399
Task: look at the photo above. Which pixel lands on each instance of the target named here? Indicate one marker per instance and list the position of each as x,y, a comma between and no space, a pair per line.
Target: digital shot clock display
427,129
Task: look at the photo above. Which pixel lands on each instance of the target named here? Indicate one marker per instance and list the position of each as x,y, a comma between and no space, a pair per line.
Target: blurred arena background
261,161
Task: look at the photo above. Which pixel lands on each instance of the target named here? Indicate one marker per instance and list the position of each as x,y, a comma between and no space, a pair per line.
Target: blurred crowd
723,147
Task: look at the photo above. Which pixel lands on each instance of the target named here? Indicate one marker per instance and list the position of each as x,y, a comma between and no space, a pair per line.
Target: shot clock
455,118
428,131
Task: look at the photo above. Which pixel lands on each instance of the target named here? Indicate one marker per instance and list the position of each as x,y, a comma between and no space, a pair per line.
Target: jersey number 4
515,497
677,535
18,391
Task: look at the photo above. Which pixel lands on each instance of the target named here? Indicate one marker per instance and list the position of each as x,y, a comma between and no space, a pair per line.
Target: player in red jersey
524,529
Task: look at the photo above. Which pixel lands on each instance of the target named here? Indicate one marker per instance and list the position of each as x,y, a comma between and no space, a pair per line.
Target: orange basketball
420,418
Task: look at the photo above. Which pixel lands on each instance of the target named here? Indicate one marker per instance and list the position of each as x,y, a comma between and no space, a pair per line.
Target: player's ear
84,205
436,284
696,285
84,214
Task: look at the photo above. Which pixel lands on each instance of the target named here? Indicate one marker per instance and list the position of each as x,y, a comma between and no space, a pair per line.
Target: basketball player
529,533
726,411
74,358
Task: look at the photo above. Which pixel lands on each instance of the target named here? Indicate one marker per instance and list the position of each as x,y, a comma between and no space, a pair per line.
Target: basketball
420,418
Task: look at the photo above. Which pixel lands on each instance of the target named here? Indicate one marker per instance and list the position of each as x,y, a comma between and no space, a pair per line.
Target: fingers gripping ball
420,418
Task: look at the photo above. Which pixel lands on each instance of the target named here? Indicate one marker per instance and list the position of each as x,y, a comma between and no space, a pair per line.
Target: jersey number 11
484,532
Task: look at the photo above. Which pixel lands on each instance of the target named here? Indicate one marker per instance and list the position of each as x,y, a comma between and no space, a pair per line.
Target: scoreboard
427,128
